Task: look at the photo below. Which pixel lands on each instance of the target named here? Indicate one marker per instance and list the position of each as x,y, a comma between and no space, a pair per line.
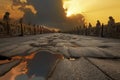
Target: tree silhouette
89,28
111,21
102,30
111,26
21,24
6,18
98,26
34,26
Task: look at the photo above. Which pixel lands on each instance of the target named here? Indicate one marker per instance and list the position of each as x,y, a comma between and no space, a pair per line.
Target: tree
21,24
6,18
98,26
89,28
102,30
111,26
111,21
34,26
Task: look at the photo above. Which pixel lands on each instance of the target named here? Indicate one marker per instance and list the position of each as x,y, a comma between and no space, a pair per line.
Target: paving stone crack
99,68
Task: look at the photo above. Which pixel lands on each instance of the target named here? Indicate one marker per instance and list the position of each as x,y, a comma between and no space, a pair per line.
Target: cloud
17,8
23,1
31,8
52,13
46,12
24,5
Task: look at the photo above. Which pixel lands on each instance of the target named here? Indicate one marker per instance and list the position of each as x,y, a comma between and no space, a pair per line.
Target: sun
68,14
71,12
72,7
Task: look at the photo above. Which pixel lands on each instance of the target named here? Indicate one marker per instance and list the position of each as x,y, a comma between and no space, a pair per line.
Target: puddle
4,58
33,67
72,59
4,61
104,46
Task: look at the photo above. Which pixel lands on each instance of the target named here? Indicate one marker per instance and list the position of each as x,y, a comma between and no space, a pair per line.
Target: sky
94,9
15,7
63,14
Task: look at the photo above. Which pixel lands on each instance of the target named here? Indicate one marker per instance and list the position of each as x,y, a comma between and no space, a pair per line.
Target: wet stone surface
35,66
70,57
41,64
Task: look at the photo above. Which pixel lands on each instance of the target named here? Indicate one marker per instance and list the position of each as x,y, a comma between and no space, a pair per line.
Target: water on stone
33,67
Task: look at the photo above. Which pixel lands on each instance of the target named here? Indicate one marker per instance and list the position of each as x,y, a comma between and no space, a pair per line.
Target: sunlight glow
72,7
69,14
93,10
23,1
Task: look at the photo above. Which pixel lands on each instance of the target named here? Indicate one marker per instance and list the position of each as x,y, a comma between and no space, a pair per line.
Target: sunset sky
52,12
15,7
94,9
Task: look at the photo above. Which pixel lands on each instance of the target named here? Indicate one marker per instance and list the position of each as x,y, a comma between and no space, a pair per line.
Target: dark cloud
50,12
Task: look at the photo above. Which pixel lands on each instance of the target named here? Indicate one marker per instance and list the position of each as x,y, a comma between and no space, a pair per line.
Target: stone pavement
84,57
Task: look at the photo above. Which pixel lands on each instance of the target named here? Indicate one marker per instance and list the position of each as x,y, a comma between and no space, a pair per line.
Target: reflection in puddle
4,61
18,70
33,67
72,59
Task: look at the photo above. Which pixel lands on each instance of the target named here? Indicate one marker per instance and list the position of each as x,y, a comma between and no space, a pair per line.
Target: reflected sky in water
33,67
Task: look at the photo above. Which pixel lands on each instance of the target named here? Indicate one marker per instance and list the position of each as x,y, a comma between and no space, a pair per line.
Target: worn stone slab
79,69
22,49
64,51
115,51
7,48
110,67
4,68
99,46
71,46
89,52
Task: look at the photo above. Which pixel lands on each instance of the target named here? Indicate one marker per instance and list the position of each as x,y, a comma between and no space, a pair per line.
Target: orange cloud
17,8
31,8
23,1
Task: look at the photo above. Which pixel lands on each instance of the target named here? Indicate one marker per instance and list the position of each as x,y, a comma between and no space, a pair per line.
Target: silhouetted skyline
63,14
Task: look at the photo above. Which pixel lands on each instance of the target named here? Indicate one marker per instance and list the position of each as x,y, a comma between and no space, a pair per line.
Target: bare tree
98,25
111,21
89,28
21,24
6,18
